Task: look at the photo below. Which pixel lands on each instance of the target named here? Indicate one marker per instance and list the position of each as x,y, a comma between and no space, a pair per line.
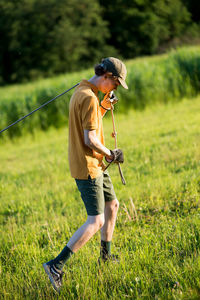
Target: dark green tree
140,26
44,37
193,7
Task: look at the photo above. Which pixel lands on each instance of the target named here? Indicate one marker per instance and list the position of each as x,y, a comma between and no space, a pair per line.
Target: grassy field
154,79
158,228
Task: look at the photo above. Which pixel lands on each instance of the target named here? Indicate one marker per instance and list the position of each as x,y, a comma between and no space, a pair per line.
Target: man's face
109,84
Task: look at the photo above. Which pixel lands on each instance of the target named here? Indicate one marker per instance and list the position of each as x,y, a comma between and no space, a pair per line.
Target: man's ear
107,74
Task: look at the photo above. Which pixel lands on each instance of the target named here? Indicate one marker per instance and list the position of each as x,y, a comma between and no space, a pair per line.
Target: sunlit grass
151,80
157,233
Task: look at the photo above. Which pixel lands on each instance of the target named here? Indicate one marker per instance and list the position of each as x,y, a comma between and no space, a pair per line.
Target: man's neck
95,80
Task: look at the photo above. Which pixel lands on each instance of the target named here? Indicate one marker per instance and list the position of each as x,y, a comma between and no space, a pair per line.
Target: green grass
158,79
158,227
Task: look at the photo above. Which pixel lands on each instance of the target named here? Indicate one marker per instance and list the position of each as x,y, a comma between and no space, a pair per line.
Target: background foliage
40,38
165,78
144,24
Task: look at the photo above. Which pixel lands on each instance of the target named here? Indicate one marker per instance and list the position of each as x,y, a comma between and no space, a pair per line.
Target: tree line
41,38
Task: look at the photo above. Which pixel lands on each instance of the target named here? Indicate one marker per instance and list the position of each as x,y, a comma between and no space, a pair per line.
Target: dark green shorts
95,192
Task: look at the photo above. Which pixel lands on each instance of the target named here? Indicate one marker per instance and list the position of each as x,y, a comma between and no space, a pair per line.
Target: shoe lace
59,278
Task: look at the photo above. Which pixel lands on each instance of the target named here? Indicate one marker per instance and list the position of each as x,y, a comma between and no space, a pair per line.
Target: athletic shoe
109,258
54,275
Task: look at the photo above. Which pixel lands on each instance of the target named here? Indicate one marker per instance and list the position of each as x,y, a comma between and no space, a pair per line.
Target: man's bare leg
85,232
78,240
110,213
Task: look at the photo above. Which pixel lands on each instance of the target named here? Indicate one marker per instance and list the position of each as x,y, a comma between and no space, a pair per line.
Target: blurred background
41,38
47,46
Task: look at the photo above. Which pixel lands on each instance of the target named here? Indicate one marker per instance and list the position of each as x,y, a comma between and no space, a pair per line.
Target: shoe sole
46,268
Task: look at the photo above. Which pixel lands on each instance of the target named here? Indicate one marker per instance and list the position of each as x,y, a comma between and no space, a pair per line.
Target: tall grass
163,79
167,78
157,233
18,100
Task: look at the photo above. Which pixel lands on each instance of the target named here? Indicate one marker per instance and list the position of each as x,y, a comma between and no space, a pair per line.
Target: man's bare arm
93,142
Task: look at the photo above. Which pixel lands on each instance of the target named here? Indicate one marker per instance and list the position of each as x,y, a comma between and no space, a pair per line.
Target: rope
38,108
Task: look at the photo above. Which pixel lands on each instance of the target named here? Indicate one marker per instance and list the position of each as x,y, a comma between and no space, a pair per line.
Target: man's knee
100,221
113,206
97,221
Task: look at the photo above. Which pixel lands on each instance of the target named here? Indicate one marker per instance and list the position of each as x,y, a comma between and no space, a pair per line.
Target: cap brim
123,83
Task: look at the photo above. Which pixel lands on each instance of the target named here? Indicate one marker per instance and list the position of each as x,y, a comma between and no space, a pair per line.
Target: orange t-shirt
84,113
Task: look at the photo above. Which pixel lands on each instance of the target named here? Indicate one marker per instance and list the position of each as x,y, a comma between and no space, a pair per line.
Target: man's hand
118,156
108,99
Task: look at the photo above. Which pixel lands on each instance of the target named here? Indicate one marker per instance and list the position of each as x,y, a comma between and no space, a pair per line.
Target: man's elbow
88,142
90,138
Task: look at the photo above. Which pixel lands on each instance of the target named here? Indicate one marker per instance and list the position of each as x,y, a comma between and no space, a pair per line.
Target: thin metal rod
38,108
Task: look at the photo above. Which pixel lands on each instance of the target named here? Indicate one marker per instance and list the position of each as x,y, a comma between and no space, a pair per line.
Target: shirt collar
92,86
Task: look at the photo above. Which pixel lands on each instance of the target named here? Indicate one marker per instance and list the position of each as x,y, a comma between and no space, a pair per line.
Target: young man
86,153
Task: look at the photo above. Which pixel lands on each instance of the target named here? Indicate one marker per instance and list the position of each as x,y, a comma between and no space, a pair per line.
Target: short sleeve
89,113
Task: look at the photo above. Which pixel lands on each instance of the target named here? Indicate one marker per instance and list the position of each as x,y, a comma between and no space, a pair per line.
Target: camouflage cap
117,68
